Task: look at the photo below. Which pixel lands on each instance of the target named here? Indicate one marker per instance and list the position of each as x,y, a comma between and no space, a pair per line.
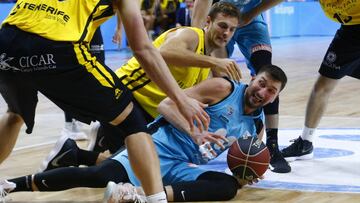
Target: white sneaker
5,188
93,135
122,192
72,130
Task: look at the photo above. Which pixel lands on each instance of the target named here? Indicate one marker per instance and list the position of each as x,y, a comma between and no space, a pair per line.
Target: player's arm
210,91
179,49
247,17
117,35
154,65
200,11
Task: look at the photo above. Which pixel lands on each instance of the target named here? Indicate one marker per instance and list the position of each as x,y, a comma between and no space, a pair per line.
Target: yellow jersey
146,92
60,20
346,12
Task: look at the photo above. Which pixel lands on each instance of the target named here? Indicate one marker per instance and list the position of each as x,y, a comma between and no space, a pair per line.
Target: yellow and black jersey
147,92
346,12
60,20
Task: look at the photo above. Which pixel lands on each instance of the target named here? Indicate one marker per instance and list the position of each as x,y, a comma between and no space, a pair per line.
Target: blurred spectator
183,14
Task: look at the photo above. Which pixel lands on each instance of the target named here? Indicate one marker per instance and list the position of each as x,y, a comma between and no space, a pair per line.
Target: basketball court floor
332,176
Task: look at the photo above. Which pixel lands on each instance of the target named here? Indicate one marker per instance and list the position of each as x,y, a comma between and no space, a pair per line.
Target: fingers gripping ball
248,158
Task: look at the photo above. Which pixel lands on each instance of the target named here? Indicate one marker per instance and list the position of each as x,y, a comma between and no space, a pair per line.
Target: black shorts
64,72
343,55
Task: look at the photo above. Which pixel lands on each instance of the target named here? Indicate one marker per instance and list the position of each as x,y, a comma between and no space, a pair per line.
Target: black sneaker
277,162
300,149
63,154
97,142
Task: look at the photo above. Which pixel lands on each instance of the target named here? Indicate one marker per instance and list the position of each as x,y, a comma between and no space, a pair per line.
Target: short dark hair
275,73
225,8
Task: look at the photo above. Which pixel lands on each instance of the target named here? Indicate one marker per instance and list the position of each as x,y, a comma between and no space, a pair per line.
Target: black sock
22,183
87,158
272,138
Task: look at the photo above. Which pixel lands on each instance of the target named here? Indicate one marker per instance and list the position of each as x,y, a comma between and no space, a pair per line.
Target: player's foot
63,154
122,192
96,139
277,162
72,130
5,188
299,149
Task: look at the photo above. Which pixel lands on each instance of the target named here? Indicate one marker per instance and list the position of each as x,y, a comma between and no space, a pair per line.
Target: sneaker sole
108,191
92,136
58,145
303,157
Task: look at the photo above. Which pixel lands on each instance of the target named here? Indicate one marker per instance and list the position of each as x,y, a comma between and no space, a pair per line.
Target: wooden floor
299,57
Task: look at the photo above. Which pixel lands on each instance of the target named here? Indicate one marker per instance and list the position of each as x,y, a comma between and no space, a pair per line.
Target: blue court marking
220,164
346,137
306,186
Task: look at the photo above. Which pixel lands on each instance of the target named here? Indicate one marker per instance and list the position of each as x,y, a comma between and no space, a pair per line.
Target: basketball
248,158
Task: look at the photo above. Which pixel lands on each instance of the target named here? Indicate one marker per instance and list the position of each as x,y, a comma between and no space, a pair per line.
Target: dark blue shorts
343,55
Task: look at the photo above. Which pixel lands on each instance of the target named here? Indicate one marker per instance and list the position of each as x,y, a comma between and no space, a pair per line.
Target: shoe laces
5,188
126,192
297,143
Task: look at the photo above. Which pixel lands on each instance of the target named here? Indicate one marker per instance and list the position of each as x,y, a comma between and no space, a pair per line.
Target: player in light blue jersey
253,39
234,107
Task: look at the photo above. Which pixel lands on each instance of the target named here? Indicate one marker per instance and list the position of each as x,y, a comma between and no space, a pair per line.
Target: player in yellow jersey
342,58
44,47
186,50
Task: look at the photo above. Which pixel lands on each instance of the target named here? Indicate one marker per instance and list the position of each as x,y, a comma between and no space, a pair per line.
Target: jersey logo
15,9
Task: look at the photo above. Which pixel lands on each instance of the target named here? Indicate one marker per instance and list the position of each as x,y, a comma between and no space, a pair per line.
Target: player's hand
193,110
243,182
227,67
214,138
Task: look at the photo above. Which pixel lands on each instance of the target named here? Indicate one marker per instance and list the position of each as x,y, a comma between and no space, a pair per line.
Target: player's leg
254,42
140,147
342,58
209,186
10,124
72,177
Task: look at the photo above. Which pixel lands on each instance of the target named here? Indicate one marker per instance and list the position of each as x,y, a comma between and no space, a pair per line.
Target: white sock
308,133
157,198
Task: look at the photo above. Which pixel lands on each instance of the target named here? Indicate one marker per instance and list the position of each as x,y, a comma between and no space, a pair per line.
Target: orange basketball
248,158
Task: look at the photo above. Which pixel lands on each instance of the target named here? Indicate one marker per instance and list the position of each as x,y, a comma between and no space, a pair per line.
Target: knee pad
133,123
272,108
260,58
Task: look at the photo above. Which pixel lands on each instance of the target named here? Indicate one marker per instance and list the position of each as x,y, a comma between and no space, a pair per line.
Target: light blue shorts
253,37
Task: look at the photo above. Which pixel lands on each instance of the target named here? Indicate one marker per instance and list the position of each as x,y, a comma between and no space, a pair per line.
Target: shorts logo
4,62
118,93
331,57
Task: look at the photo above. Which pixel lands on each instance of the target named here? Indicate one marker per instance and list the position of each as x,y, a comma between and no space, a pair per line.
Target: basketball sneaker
122,192
96,139
63,154
5,188
72,130
277,162
299,149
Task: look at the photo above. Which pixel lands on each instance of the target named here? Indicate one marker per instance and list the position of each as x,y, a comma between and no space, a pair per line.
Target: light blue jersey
252,37
180,156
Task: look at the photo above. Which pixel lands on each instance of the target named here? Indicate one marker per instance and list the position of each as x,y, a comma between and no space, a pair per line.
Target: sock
272,137
22,183
87,158
308,133
157,198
